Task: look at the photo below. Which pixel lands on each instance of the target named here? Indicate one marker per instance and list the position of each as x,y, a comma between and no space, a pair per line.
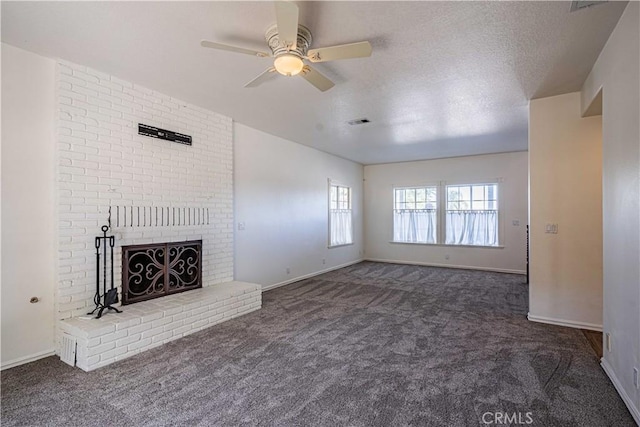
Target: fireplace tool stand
109,296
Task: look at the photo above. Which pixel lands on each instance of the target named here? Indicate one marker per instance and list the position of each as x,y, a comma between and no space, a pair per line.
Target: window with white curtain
472,215
340,216
415,215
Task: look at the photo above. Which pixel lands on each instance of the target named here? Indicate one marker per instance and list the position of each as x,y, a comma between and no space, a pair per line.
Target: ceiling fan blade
345,51
287,20
264,76
220,46
315,78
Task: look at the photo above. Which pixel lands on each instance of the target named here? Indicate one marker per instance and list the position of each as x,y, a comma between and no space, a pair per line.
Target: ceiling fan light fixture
289,44
288,64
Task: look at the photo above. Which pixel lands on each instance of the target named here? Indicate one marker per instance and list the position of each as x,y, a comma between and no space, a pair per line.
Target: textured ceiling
445,78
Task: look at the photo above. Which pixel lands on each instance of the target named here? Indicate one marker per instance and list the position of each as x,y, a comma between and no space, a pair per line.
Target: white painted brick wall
102,161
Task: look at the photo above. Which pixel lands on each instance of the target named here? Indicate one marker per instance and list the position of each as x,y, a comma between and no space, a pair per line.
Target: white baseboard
307,276
461,267
564,322
635,411
26,359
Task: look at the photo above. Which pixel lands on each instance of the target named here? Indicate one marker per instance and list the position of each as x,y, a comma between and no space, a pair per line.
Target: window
472,215
415,212
340,228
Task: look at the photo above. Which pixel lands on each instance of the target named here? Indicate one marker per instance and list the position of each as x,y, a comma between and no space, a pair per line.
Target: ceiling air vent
358,122
577,5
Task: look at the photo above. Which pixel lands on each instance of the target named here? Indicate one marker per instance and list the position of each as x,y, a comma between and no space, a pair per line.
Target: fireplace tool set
108,297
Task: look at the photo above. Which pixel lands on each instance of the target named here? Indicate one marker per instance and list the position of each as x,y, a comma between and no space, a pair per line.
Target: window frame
437,210
332,183
441,206
499,209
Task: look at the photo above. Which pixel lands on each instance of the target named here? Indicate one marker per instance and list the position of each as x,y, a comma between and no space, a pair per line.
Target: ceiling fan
289,43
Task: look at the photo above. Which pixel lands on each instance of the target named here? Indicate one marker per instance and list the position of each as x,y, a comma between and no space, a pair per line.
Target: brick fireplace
106,170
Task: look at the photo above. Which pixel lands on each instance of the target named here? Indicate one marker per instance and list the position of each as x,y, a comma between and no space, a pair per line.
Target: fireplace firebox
159,269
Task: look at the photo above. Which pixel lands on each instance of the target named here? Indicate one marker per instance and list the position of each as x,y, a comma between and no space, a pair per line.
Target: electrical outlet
324,261
608,341
636,380
516,222
551,229
241,226
288,270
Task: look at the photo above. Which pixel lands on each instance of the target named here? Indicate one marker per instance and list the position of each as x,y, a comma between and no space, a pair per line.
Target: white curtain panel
414,226
341,229
472,228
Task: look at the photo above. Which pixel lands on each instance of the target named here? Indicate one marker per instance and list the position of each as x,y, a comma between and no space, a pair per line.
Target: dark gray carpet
371,344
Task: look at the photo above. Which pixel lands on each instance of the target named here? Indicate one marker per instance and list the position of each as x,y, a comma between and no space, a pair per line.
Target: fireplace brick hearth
149,324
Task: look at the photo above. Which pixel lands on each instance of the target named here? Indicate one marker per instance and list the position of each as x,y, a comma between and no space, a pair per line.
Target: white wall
509,168
28,223
617,73
565,178
281,200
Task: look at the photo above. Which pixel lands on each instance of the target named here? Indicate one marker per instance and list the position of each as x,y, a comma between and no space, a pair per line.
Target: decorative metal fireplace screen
156,270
